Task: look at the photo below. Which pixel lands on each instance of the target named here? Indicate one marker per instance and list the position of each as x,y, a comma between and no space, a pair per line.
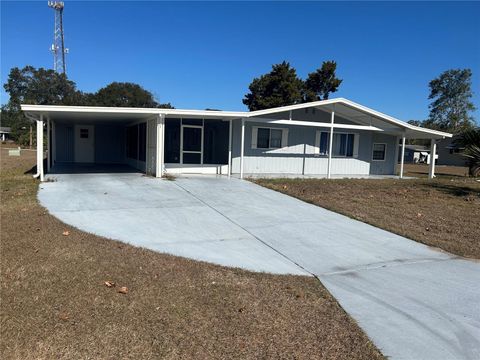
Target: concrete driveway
413,301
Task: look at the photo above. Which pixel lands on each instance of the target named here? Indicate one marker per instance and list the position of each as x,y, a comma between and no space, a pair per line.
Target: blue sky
204,55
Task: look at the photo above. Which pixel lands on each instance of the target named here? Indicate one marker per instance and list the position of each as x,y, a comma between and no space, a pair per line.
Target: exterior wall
151,147
299,156
109,144
386,167
64,142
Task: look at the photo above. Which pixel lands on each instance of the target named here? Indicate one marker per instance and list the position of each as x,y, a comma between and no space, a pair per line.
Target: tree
322,82
34,86
279,87
47,87
125,94
470,140
39,87
451,105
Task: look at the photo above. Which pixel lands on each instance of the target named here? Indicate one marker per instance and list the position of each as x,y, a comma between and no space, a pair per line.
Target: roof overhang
341,106
355,111
118,114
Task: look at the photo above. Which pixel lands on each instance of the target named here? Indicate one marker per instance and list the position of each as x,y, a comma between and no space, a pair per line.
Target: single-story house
330,138
4,133
451,153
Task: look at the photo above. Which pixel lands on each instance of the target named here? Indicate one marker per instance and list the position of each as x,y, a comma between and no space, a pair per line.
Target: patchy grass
444,212
54,303
421,170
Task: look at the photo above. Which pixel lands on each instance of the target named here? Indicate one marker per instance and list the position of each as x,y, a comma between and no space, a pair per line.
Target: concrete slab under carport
413,301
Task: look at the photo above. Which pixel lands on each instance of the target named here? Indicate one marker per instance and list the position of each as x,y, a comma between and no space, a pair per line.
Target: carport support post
242,148
433,151
160,121
230,148
330,145
402,157
40,148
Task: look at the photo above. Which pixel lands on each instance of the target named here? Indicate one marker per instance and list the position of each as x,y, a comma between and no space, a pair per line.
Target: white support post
402,157
433,151
230,148
48,145
40,148
330,146
159,162
242,148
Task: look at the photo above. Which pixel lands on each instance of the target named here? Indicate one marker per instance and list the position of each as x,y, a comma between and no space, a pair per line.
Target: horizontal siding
298,157
301,165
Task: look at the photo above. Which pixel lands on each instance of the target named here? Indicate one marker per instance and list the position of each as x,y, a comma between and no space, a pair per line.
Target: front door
84,143
192,144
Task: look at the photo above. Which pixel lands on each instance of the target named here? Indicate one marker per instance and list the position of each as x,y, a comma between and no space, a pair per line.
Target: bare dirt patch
62,297
444,212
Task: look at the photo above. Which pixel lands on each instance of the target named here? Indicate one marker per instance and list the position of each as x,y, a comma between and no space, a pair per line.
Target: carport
150,140
79,139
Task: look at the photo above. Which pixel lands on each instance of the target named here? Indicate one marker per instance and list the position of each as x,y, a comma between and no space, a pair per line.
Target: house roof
5,130
353,110
416,147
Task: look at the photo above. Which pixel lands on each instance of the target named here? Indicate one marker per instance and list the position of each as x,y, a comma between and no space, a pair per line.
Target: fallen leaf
109,283
64,316
66,233
123,290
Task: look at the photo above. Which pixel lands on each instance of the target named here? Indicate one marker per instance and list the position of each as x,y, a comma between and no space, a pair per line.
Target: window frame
355,136
84,133
270,137
384,151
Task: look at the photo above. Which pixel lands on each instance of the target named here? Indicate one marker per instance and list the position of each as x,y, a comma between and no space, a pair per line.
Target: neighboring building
5,133
450,153
328,138
417,154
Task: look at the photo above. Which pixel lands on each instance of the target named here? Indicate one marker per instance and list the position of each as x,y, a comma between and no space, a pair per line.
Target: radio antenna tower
58,47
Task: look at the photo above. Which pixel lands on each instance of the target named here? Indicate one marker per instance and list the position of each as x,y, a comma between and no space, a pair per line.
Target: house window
83,133
269,138
343,144
379,151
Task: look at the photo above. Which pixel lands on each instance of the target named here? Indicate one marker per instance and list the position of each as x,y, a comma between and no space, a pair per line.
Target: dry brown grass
444,212
54,303
421,170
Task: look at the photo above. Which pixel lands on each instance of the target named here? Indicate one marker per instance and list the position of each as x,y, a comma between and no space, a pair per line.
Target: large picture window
379,151
268,138
343,144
